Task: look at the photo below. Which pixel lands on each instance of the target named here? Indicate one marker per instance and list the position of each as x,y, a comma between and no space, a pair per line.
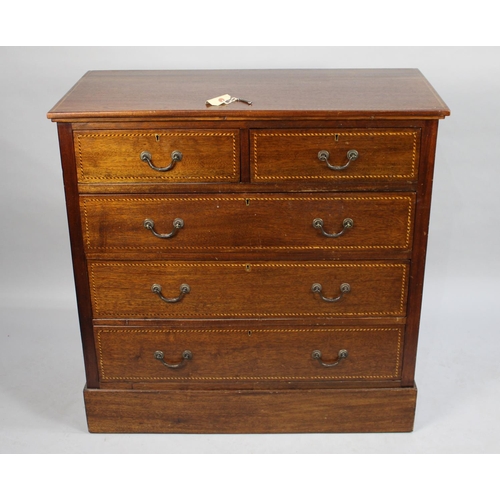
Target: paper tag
217,101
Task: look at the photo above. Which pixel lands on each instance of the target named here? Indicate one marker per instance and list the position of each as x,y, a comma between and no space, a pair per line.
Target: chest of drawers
249,268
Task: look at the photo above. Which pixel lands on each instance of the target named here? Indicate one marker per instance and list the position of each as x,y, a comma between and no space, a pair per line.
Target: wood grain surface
249,223
232,354
232,411
384,155
287,93
111,156
251,290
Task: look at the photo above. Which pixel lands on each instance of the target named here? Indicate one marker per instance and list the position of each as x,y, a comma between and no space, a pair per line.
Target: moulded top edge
273,93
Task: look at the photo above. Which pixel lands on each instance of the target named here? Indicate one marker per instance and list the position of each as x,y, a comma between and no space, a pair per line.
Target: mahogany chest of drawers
249,267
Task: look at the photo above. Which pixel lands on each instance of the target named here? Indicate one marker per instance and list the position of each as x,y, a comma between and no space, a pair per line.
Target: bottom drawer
274,354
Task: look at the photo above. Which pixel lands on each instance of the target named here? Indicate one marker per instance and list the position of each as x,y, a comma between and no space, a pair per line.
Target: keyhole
157,138
337,137
247,202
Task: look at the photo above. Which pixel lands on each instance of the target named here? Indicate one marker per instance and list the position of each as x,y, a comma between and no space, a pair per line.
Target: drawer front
109,156
367,223
382,155
131,354
253,290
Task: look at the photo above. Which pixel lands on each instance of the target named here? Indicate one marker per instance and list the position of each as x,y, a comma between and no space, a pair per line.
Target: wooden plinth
251,411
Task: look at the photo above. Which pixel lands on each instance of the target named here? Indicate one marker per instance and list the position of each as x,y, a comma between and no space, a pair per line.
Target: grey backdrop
41,366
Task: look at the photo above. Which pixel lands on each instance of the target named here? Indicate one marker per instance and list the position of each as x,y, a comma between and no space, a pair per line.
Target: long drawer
210,355
376,223
373,156
252,290
157,156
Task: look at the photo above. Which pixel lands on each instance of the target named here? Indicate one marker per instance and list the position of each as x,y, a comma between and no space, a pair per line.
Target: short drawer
272,354
252,290
113,156
256,223
371,156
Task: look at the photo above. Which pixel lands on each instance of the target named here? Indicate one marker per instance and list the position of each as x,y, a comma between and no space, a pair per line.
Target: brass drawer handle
148,158
178,224
184,290
344,288
347,224
352,155
342,355
186,355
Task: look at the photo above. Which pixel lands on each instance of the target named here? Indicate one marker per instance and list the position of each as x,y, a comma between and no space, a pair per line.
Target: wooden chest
249,267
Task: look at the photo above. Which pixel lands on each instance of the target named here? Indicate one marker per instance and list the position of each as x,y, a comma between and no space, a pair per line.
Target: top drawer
111,156
371,156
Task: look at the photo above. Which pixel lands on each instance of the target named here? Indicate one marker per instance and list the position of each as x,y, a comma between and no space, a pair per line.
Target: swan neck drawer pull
342,355
186,355
147,157
344,288
346,223
352,155
185,289
178,224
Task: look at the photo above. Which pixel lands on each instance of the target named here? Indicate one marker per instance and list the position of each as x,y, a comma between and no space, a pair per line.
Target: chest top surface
321,93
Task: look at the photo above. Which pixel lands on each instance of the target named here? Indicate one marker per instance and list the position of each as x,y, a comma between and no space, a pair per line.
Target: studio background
41,364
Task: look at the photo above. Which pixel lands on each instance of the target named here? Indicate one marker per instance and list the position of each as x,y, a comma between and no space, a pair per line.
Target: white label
217,101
